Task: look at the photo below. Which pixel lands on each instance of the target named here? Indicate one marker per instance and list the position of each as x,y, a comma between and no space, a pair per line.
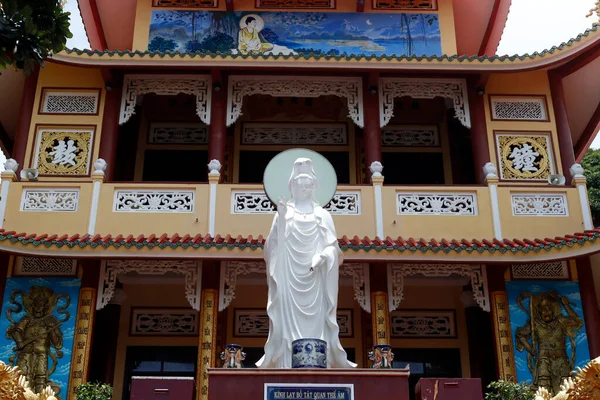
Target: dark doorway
428,363
158,361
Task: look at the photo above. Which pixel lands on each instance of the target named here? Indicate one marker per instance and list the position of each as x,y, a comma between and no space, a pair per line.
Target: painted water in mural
549,338
295,33
38,321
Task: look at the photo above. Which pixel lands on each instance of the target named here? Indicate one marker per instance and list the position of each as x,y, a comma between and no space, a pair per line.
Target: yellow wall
146,296
445,12
523,83
61,76
445,298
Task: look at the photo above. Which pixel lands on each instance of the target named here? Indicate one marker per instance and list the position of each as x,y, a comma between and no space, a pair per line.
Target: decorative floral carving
63,152
307,133
229,273
547,270
410,136
57,102
197,85
360,282
257,202
524,156
423,324
230,270
186,3
154,201
164,323
455,89
295,86
539,204
477,273
50,200
437,203
178,134
111,269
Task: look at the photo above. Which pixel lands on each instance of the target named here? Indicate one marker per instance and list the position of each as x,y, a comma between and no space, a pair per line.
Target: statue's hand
317,261
282,207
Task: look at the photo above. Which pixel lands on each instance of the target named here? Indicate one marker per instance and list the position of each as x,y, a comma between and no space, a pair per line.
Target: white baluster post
579,182
491,177
8,175
213,180
97,178
377,180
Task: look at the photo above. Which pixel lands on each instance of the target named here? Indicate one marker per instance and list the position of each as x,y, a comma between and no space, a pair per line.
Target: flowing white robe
302,304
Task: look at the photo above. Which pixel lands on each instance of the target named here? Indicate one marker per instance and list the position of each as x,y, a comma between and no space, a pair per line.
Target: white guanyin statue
303,259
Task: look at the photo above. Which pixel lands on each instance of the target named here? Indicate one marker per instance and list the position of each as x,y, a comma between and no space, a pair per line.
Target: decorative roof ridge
343,56
355,243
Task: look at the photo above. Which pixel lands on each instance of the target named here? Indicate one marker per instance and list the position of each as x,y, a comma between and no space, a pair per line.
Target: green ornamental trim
588,237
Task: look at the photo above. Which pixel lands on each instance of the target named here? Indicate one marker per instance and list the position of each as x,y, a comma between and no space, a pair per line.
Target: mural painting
548,331
296,33
38,321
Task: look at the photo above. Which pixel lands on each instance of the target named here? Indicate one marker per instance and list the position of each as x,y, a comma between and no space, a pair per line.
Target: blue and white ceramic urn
309,353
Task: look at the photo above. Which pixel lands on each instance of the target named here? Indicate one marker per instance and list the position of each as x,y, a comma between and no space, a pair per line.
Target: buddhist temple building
133,215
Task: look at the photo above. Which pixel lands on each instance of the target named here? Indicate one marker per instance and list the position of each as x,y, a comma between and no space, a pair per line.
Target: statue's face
304,188
252,24
546,311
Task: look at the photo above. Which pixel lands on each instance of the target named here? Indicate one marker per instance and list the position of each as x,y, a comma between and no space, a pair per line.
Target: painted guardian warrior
37,334
544,336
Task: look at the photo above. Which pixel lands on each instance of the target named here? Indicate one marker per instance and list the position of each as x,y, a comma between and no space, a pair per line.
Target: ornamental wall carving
199,86
186,3
295,4
257,202
521,108
549,270
63,151
79,102
241,86
397,272
524,156
404,4
110,271
410,136
267,133
454,89
230,270
154,201
539,204
50,199
409,203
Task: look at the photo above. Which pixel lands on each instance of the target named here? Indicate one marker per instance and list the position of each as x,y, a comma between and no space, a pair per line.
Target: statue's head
548,308
251,22
40,301
303,182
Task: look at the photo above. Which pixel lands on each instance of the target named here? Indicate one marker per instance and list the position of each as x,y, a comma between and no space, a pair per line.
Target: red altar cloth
249,384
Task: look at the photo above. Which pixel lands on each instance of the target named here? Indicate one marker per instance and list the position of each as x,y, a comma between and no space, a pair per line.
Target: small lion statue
584,385
14,386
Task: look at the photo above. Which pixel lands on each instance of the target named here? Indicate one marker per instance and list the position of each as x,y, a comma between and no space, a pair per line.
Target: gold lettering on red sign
82,339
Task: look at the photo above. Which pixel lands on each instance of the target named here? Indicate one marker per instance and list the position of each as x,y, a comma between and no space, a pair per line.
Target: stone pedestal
249,384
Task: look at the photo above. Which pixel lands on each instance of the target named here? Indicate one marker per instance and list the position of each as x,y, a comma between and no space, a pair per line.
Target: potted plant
93,391
504,390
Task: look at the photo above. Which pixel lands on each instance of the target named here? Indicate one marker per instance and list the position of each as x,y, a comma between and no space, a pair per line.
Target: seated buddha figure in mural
249,38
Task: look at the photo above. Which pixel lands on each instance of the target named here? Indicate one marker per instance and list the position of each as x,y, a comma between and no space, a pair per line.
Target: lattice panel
519,108
178,134
72,102
50,200
177,201
410,136
423,324
186,3
45,266
295,3
404,4
436,203
548,270
305,134
168,322
257,202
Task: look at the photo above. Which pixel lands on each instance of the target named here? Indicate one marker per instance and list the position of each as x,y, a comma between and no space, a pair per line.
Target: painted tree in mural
30,30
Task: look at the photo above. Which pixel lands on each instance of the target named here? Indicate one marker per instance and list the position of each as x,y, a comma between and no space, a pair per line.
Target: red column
565,140
217,142
25,113
479,137
110,131
372,130
589,304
